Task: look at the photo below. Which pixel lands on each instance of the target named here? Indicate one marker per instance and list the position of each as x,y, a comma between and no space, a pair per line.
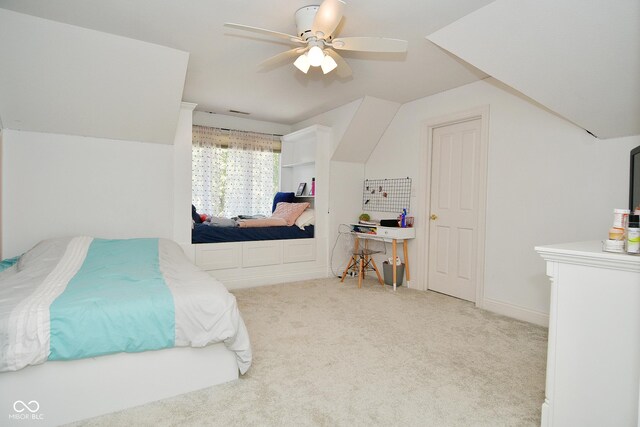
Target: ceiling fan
316,45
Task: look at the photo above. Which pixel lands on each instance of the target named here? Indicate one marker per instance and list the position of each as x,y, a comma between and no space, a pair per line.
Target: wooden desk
392,235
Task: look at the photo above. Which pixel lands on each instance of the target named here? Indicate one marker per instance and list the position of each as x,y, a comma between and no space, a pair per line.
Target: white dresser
593,359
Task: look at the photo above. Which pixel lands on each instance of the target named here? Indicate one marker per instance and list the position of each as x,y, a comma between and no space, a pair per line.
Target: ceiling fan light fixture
302,63
328,64
316,56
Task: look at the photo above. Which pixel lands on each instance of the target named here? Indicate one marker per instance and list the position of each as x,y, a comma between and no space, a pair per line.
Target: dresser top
590,254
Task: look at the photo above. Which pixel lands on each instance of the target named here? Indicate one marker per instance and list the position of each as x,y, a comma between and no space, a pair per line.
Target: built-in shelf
295,165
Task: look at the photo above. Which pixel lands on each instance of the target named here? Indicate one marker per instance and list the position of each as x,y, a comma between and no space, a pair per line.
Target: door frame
424,190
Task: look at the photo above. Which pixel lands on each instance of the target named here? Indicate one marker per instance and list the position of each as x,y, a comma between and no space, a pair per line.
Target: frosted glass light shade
302,63
328,64
315,56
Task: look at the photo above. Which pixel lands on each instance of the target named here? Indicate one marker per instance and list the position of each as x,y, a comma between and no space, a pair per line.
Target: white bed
214,344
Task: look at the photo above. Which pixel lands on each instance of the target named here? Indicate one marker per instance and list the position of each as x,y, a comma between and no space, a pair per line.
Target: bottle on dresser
633,235
618,233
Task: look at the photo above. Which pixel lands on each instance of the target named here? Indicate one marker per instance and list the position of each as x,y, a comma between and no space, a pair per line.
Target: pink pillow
289,211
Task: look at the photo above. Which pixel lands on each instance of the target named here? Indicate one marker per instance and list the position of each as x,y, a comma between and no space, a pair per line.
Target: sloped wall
59,78
579,59
366,127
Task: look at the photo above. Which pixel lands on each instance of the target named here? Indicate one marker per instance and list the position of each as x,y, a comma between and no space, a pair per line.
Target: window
234,172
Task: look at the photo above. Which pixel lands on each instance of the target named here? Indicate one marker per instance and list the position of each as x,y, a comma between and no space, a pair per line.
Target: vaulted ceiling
223,72
578,59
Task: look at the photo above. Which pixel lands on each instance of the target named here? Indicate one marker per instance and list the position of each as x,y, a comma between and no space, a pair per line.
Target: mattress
81,297
203,233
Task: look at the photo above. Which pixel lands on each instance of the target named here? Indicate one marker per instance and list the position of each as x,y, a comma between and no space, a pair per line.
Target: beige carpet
330,354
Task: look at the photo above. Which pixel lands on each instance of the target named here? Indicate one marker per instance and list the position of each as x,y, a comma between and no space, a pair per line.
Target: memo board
386,195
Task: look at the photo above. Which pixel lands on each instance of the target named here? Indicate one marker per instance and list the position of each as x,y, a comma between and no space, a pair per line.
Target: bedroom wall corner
182,180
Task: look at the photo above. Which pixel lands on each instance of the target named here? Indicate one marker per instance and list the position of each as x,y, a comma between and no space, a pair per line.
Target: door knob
434,217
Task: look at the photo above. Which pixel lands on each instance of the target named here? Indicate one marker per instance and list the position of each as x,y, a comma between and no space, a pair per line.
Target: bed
290,219
203,233
143,321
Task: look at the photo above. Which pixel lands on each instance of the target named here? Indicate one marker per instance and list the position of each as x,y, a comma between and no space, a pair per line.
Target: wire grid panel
386,195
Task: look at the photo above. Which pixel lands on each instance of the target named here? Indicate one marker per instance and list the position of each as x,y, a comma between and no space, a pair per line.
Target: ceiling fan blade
370,44
262,31
343,69
327,18
282,57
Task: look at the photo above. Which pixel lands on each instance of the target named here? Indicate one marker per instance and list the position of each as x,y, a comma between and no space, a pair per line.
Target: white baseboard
250,281
517,312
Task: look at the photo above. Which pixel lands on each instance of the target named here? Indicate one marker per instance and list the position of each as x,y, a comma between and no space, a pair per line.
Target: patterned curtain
207,165
249,186
234,172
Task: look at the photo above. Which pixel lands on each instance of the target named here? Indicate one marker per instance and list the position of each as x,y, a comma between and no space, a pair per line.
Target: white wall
57,185
63,79
337,119
345,197
548,182
182,178
1,144
511,40
345,181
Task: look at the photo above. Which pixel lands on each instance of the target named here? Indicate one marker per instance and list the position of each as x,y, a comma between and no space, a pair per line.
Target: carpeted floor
329,354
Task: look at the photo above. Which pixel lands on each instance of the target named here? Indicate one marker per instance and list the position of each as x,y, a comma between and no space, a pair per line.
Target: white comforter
205,312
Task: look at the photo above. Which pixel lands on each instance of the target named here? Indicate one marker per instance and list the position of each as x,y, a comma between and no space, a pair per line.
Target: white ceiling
578,58
223,71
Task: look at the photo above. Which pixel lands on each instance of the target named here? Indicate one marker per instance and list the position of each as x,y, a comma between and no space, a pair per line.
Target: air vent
239,112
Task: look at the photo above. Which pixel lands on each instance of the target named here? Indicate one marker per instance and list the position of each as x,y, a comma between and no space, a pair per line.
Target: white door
453,223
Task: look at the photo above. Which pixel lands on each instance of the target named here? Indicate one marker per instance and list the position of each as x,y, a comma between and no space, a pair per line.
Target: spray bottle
403,220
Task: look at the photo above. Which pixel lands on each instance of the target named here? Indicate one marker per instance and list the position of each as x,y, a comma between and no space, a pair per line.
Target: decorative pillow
282,197
289,211
308,217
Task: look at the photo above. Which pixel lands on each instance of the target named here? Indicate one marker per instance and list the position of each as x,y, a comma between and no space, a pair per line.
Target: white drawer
396,233
298,250
216,256
255,254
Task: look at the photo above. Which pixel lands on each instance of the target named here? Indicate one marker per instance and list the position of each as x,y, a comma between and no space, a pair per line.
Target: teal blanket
117,302
6,263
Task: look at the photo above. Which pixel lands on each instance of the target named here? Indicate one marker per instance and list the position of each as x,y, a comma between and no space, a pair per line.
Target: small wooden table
392,235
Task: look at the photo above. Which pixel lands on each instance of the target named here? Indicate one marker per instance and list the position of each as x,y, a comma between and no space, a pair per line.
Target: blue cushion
195,215
283,197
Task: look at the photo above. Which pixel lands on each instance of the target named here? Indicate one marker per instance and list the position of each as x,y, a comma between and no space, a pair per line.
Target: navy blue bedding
203,233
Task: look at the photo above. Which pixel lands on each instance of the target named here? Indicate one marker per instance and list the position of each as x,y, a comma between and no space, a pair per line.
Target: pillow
282,197
195,215
262,222
289,211
308,217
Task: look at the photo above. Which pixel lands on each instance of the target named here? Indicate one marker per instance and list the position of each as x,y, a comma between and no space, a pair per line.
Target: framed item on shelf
301,188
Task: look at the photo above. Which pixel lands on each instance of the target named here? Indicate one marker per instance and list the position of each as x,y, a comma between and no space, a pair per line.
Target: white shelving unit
298,160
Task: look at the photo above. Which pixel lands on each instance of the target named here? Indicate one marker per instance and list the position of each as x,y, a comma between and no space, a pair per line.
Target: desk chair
361,257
